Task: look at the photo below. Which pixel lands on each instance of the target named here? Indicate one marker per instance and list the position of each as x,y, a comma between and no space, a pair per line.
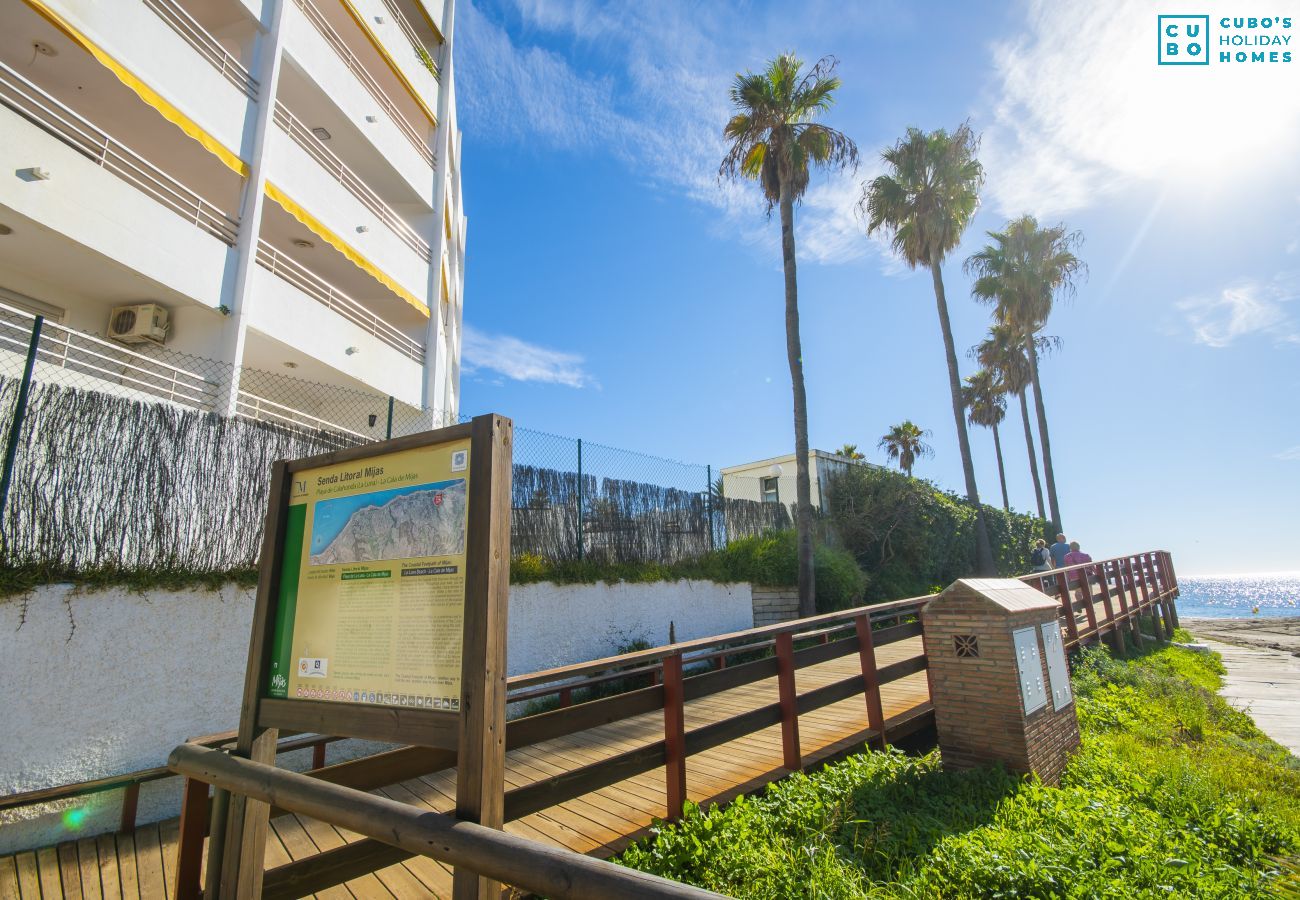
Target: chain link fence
141,457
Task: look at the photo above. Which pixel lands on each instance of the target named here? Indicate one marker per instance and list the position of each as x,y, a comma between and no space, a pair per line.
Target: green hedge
911,538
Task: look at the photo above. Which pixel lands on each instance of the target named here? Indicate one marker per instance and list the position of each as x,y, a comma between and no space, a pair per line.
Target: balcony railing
79,354
57,120
332,38
303,137
260,409
208,47
421,51
325,293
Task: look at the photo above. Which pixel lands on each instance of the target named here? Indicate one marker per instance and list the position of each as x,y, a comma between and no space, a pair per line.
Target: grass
1173,794
16,581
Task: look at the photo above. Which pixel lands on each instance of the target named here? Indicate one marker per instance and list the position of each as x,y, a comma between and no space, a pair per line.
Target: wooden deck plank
149,864
126,867
29,877
70,870
47,860
88,863
9,878
109,881
168,838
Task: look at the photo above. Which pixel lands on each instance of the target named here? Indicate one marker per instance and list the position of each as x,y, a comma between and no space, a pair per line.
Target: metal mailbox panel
1058,673
1029,665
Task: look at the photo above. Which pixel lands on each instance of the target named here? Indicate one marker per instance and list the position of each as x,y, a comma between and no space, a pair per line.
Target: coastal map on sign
418,521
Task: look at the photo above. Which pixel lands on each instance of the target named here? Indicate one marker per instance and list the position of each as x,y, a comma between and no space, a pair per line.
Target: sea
1239,596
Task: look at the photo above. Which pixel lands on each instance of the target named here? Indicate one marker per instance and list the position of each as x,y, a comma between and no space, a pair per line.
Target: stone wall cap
1006,595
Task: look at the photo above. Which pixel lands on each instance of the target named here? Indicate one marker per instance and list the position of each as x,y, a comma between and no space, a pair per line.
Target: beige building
773,480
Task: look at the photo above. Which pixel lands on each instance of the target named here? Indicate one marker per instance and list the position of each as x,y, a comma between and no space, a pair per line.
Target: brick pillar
999,680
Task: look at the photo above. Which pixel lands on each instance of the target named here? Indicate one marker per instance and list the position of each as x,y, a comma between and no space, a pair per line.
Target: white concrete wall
557,625
400,50
143,672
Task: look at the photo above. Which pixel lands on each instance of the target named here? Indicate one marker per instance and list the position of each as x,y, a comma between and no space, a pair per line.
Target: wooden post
674,735
1086,589
1127,569
870,678
1067,606
789,701
480,763
318,755
235,864
189,844
130,801
1112,626
1119,589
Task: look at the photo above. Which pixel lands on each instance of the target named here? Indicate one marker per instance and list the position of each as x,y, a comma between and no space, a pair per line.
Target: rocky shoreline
1273,633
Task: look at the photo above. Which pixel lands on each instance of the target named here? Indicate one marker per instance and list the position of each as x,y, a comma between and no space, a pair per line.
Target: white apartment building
280,178
775,480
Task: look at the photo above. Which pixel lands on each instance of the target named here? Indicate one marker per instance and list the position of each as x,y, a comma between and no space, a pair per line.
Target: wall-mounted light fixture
362,229
352,350
303,245
34,173
372,119
321,133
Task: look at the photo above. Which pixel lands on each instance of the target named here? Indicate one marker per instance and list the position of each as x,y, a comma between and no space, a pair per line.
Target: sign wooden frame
477,732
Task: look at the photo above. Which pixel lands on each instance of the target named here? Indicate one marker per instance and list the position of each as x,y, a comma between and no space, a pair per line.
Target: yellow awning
315,226
143,91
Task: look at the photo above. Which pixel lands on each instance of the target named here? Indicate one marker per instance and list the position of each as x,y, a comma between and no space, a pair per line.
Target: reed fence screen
101,480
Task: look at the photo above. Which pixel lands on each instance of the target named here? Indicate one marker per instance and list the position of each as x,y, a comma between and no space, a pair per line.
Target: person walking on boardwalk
1078,578
1040,558
1059,550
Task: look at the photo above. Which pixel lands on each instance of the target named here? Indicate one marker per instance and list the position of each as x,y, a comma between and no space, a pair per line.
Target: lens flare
73,819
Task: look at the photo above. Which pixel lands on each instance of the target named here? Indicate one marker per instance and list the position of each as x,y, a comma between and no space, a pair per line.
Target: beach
1267,633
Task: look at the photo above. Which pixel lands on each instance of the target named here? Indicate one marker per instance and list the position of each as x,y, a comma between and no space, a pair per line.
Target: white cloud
1290,453
1081,111
1247,307
521,361
662,116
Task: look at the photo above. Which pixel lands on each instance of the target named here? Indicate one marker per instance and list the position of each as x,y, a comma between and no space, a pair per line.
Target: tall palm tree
1004,352
905,444
986,405
849,451
924,202
774,140
1022,272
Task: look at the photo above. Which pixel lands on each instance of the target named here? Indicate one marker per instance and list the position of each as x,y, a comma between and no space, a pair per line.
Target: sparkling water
1238,596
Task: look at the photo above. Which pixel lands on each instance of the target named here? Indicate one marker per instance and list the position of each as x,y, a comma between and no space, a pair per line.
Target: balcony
324,293
84,210
389,28
155,42
333,408
384,114
188,28
301,164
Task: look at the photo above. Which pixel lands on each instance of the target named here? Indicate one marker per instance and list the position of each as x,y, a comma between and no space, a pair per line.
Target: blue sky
616,292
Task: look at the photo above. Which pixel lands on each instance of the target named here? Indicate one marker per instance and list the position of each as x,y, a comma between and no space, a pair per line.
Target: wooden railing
1127,588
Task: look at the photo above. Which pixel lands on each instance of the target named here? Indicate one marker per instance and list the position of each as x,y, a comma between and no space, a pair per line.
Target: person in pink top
1074,558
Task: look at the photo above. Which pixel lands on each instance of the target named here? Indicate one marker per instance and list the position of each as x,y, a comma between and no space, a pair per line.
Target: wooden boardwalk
1265,683
600,823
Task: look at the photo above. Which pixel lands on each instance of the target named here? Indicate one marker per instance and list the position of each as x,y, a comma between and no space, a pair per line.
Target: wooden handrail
504,857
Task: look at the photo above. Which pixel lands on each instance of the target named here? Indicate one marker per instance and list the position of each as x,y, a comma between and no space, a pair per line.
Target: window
770,492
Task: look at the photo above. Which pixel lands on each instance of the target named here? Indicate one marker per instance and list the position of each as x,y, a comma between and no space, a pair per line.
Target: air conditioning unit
139,323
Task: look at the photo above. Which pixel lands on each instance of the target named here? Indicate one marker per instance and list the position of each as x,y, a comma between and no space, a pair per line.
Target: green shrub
908,535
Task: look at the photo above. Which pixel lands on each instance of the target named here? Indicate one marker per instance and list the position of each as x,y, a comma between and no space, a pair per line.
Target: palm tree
849,451
924,202
904,443
986,404
1003,351
774,140
1022,272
